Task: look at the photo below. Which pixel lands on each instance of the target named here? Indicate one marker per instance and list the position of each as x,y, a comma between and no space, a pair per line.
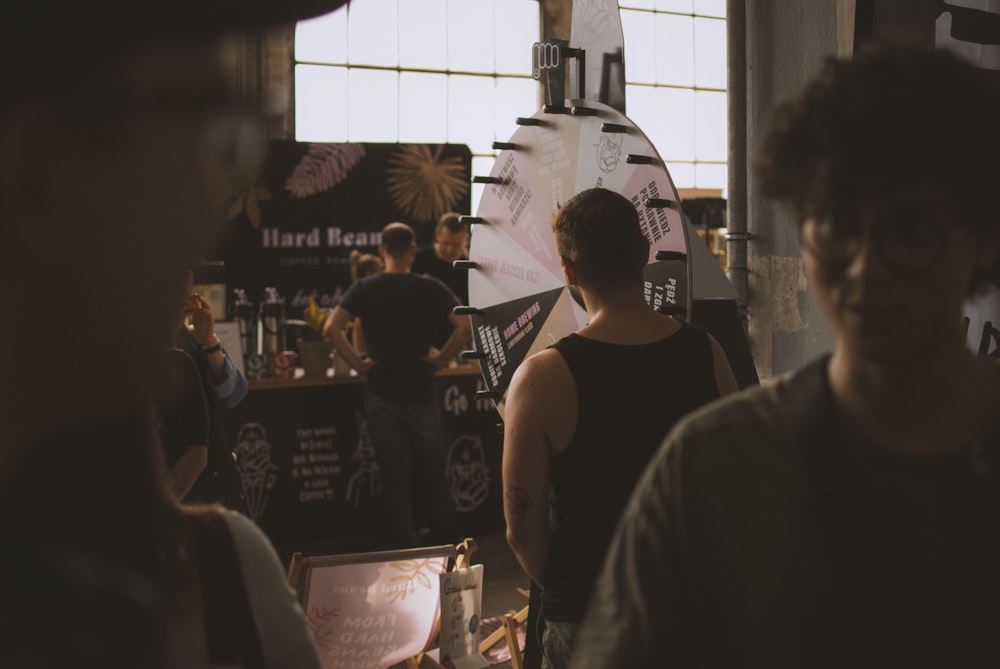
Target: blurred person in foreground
847,514
118,146
584,416
223,386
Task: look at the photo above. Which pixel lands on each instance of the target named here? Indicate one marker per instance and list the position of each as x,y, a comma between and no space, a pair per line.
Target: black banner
295,225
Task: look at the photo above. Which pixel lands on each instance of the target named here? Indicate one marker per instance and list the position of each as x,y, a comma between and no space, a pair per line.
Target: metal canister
245,314
272,316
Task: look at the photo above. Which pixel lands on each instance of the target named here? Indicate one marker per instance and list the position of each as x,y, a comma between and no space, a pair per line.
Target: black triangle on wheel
665,285
504,332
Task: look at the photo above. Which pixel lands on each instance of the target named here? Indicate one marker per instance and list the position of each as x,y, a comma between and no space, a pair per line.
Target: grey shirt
722,557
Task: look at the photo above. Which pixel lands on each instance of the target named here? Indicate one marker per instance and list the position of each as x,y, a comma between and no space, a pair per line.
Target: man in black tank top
584,417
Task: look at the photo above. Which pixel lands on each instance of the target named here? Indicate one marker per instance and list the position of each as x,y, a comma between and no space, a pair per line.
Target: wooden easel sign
371,610
461,611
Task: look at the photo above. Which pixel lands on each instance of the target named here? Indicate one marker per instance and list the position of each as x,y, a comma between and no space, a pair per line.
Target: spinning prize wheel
519,299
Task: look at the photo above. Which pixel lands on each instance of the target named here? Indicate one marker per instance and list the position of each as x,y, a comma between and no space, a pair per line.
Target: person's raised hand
202,321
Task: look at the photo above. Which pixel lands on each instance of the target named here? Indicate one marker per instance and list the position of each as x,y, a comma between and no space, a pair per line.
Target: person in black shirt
844,514
402,313
183,423
451,240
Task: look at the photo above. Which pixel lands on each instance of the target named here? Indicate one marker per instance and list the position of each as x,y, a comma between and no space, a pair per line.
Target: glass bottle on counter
272,316
245,315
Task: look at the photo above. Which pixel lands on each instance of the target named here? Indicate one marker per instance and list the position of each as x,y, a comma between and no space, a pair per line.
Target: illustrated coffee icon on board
253,463
365,482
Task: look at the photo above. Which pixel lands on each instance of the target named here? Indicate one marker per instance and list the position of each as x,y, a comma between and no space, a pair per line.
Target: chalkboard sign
308,468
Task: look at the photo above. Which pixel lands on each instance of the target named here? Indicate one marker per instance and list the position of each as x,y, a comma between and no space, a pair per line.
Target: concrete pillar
786,41
264,76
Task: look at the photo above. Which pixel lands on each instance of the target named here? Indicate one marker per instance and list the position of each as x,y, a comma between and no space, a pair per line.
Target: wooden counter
301,381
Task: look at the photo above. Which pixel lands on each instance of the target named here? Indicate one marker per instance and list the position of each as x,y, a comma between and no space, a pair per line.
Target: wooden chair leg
501,632
421,660
510,627
464,553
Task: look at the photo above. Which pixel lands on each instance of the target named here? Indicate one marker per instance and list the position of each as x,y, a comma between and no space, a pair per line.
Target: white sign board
228,333
461,611
371,611
982,323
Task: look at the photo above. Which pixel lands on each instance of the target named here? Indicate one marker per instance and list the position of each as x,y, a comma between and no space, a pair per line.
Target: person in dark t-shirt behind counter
402,314
451,241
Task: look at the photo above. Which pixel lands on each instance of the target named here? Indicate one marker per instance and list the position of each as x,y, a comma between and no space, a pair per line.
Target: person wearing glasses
847,514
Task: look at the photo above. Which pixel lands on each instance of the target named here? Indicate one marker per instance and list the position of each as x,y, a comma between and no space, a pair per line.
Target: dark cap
56,39
163,18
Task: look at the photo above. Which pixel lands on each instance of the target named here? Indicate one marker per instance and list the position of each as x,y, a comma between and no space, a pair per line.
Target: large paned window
456,71
459,71
675,73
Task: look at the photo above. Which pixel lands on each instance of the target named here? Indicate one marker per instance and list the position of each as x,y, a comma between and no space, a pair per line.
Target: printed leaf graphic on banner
320,621
423,184
323,167
412,571
248,198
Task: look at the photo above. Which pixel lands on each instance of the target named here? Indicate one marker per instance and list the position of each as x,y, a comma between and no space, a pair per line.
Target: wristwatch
212,349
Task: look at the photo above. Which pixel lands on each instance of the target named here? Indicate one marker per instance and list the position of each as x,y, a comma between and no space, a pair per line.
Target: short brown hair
598,231
364,264
397,238
452,222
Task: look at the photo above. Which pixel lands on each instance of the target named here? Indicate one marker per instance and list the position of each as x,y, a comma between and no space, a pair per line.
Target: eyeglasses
909,241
